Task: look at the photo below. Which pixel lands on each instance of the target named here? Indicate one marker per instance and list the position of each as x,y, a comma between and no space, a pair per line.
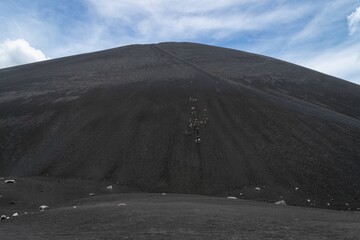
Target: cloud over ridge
18,51
354,21
321,35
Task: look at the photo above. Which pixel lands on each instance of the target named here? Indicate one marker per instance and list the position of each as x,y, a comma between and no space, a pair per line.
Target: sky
323,35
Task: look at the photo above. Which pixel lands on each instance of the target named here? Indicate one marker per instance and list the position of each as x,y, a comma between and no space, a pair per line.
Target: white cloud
19,51
342,61
354,21
130,9
166,20
322,20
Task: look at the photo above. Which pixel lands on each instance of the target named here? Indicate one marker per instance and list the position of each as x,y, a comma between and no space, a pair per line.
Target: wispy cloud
325,45
354,21
342,61
164,20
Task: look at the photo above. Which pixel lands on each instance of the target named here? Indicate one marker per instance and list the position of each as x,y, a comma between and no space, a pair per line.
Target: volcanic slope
133,115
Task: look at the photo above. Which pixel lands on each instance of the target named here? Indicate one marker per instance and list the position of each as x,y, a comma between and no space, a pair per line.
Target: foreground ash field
117,214
178,118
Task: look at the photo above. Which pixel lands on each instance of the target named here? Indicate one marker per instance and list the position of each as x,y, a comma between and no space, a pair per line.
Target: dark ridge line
198,149
275,97
215,77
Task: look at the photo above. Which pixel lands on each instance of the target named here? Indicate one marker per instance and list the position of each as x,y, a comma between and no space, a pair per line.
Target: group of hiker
197,120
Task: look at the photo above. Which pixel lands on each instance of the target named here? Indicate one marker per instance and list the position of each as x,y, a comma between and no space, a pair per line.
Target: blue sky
323,35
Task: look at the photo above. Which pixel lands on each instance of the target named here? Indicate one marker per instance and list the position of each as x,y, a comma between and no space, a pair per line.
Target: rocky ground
119,213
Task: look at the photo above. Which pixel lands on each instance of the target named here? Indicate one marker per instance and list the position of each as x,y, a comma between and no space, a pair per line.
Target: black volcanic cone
133,115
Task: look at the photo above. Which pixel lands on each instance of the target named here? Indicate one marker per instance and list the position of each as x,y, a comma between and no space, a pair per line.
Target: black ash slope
122,114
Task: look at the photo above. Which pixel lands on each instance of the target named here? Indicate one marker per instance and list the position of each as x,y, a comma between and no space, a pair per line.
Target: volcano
184,118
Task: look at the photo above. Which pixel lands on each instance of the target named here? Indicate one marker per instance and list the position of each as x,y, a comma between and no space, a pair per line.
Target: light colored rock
122,204
164,194
281,202
43,208
3,217
9,181
15,214
109,187
91,194
296,188
257,189
232,197
74,206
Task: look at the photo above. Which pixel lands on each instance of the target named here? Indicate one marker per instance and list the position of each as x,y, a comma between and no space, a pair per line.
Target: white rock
281,202
91,194
9,181
308,200
25,213
346,204
241,194
3,217
122,204
74,206
7,218
296,188
15,214
328,204
163,194
109,187
232,197
43,208
257,189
